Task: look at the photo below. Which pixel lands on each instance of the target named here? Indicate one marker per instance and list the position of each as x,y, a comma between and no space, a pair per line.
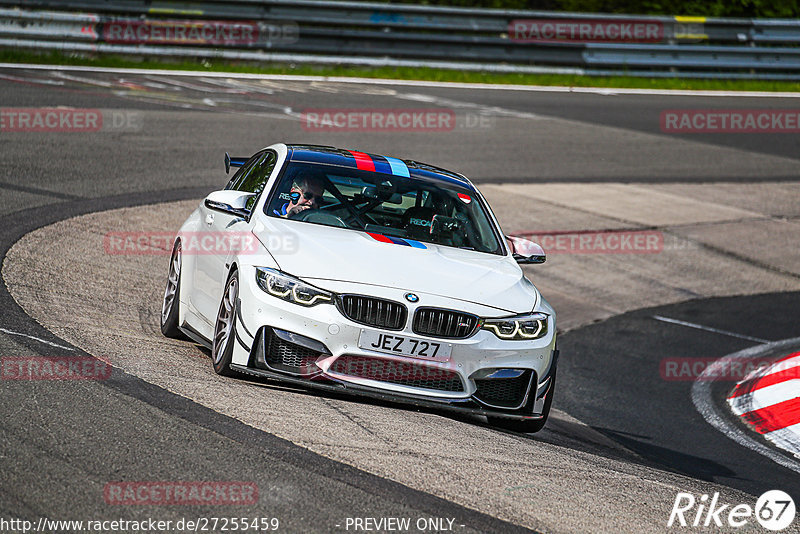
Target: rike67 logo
774,510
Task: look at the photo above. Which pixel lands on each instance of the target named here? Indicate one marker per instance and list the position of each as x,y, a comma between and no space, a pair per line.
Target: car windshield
422,209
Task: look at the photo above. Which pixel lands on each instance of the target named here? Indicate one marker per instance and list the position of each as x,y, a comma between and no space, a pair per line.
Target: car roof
360,160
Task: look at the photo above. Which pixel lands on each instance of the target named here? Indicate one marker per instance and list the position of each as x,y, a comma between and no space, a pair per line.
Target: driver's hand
294,210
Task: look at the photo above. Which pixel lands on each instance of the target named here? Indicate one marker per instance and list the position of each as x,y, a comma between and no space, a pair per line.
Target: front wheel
225,328
171,302
527,427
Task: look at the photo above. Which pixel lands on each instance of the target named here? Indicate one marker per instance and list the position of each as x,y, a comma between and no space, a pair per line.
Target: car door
224,233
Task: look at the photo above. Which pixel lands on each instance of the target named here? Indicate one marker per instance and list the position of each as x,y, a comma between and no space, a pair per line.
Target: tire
527,427
225,328
171,303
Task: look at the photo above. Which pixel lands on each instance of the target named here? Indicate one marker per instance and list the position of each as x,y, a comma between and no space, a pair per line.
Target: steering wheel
320,217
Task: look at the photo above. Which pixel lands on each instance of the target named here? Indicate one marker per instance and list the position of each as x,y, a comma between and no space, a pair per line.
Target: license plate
404,346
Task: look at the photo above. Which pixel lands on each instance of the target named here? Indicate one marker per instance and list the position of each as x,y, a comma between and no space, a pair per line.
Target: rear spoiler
233,162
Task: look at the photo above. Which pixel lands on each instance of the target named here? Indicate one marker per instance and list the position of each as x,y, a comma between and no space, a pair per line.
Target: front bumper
318,347
465,407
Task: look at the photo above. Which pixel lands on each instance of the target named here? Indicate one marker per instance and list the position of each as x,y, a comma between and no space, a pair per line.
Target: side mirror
525,251
230,202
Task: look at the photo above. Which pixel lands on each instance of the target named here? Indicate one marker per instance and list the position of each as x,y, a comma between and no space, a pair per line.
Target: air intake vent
503,392
374,311
285,356
438,322
397,372
287,352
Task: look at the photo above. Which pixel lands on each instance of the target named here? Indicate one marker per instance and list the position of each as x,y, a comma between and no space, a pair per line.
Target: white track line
80,79
40,340
43,81
701,397
416,83
709,329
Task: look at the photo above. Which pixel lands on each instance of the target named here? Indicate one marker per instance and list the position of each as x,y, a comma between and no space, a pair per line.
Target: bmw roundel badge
411,297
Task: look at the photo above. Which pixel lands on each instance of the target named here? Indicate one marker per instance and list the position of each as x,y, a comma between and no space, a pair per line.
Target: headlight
289,288
520,327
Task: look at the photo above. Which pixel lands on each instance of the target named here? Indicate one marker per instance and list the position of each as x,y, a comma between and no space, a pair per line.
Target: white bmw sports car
365,274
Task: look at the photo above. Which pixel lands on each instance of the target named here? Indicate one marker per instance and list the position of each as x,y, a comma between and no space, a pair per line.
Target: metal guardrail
411,35
418,17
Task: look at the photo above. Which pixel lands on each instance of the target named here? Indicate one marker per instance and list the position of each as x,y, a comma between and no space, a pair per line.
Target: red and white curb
768,400
718,415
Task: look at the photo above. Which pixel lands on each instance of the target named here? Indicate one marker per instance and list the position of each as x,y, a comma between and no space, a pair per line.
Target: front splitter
395,398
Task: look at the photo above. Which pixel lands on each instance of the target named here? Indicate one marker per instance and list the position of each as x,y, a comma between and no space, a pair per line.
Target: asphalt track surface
60,443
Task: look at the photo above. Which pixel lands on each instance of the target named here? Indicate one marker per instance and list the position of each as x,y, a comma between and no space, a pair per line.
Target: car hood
313,251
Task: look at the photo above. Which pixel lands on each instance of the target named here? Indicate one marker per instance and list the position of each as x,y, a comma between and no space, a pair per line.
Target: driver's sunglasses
308,195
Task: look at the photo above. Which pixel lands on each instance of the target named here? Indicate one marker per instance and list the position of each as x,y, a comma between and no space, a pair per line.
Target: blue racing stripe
398,167
415,244
398,241
405,242
381,165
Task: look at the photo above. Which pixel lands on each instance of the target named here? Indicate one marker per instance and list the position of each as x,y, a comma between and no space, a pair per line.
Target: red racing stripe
380,237
774,417
363,161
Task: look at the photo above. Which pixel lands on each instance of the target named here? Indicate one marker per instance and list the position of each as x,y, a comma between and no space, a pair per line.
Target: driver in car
306,193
